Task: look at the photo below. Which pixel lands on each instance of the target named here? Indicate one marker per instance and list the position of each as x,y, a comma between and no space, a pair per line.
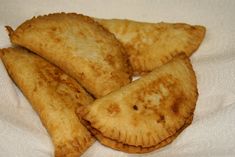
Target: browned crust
135,149
54,96
97,78
73,148
181,104
144,56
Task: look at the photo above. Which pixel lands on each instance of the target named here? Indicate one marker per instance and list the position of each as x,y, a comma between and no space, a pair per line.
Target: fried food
140,116
55,97
80,47
149,45
133,149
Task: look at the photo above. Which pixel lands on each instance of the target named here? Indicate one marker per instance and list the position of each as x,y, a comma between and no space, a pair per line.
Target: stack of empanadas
69,60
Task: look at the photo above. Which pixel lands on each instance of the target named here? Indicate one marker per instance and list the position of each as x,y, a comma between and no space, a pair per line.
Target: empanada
133,149
149,45
147,111
55,97
80,47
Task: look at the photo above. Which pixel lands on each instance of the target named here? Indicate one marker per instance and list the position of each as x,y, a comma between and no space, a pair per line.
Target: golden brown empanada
55,97
148,111
80,47
133,149
149,45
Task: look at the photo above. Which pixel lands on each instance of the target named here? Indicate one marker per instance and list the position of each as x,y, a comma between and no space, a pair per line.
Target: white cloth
212,132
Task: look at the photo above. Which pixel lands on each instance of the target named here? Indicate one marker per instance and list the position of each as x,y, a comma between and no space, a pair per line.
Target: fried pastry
55,97
80,47
133,149
141,115
149,45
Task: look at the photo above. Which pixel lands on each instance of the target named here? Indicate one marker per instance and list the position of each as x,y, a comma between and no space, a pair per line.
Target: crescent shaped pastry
55,97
